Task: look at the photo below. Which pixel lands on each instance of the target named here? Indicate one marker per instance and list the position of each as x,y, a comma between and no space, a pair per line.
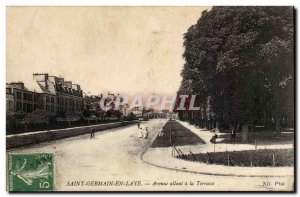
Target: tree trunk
217,127
264,119
252,130
278,126
245,132
277,116
277,112
208,125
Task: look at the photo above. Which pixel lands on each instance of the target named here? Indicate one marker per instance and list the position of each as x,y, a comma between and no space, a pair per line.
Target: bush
259,158
20,115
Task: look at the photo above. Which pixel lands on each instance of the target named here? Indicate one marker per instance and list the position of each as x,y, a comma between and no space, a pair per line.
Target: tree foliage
242,59
40,116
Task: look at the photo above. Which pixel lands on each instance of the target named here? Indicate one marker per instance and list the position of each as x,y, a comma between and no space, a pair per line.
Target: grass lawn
261,138
180,136
261,157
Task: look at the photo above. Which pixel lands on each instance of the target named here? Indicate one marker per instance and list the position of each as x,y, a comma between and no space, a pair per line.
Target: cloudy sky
133,50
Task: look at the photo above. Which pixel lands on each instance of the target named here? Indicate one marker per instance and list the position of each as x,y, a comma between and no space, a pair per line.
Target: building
19,98
50,93
137,111
58,95
151,115
162,114
125,110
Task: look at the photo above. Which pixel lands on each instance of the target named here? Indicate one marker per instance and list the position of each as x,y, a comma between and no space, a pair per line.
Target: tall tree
242,59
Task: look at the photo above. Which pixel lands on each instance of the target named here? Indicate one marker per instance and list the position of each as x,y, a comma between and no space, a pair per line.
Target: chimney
61,80
19,85
68,84
46,80
76,86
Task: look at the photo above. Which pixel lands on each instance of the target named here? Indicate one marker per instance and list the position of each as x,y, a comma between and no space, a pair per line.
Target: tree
10,123
241,58
20,115
40,116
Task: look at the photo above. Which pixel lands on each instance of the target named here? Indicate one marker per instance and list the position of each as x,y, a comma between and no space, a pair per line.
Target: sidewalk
161,157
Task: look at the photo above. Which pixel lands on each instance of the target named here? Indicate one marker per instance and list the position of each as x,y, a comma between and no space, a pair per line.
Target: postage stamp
30,172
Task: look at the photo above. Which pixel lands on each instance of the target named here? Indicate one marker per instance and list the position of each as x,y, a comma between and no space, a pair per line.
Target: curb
204,173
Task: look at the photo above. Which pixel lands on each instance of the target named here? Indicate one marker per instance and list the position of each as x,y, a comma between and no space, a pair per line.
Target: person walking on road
214,139
140,132
233,134
146,133
92,133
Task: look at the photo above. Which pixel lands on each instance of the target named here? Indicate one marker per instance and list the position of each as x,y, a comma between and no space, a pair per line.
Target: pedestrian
92,133
146,133
160,133
140,132
233,134
214,139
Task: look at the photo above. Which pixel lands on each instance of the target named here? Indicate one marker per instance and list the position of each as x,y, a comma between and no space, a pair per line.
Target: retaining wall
25,139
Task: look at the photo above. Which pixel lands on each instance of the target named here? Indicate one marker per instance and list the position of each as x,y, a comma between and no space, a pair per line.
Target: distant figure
233,134
171,137
92,133
140,132
146,133
138,125
160,133
214,139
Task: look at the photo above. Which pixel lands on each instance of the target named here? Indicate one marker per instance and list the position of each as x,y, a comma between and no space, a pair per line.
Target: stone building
50,93
19,98
153,114
60,95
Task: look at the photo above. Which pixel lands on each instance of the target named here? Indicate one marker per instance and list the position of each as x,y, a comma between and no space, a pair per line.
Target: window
29,108
18,106
47,99
30,97
8,90
27,97
19,95
52,99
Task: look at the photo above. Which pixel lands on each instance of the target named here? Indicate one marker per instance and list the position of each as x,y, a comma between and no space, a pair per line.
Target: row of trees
240,64
93,109
41,119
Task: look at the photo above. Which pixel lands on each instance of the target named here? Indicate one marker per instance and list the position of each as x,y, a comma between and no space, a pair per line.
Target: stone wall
25,139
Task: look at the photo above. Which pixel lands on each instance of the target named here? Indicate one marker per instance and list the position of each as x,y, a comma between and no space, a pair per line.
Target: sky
126,50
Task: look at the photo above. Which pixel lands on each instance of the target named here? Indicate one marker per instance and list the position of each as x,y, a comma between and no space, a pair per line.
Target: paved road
114,157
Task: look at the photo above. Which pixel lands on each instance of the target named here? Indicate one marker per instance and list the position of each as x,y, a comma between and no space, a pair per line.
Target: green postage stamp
30,172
